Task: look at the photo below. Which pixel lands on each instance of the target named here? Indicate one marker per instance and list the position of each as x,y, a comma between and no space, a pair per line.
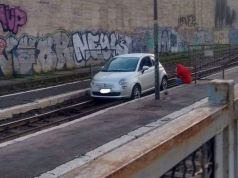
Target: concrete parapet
220,92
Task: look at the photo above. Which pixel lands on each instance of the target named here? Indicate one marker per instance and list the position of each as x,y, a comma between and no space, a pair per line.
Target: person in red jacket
184,75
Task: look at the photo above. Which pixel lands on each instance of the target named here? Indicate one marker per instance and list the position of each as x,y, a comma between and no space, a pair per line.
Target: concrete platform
14,99
40,98
50,153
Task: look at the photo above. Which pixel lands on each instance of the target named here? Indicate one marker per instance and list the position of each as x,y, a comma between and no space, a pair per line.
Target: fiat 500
127,76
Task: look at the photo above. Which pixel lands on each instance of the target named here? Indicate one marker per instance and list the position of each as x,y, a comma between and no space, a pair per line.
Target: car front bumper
116,92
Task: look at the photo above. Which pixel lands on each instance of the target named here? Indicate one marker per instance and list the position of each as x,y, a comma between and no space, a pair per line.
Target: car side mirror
145,68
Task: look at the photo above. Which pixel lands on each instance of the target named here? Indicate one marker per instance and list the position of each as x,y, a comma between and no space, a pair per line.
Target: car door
146,77
161,70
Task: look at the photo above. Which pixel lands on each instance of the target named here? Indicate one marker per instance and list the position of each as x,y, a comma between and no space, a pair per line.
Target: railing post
221,154
222,92
195,65
236,136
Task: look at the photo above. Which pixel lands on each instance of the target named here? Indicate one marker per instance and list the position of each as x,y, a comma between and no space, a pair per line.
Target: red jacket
184,73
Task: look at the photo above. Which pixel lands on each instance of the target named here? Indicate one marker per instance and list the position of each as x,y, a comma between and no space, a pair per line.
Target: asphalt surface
42,153
30,96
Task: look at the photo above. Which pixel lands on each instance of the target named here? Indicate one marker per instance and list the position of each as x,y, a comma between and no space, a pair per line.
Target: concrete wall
47,35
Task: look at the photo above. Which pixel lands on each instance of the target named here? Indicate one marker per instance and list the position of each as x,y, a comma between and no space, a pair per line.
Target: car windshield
121,64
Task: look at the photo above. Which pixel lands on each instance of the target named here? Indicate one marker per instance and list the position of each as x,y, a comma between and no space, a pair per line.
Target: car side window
145,62
153,61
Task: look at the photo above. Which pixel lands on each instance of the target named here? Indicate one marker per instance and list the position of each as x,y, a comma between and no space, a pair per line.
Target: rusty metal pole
156,52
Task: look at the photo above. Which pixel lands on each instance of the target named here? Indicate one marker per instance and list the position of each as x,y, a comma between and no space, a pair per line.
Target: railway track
20,126
37,122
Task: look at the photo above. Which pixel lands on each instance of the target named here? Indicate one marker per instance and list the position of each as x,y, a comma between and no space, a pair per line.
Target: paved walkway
43,152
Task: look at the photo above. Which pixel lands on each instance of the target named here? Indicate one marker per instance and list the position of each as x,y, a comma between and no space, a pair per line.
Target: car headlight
123,83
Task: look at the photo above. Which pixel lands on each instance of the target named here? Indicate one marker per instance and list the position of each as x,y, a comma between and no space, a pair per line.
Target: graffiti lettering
233,36
3,45
169,40
6,56
203,37
12,18
224,15
165,41
62,50
57,51
221,37
142,40
89,45
189,21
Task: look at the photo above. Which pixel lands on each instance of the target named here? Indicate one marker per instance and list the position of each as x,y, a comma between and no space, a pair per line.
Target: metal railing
198,164
212,58
199,143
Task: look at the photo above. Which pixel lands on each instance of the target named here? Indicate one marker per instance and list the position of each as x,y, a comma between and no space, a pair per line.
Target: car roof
140,55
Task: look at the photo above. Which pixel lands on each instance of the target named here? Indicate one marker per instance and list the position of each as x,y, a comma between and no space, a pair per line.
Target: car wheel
136,92
164,84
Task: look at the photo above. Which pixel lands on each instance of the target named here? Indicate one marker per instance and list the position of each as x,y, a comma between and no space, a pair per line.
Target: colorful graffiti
224,15
221,37
58,51
233,36
12,18
188,21
142,40
169,40
203,37
5,59
63,50
3,45
89,45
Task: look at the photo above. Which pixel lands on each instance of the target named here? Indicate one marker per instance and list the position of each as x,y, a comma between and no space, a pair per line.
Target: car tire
136,92
164,84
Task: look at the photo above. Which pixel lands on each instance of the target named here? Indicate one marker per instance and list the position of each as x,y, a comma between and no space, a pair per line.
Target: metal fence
203,60
207,59
199,164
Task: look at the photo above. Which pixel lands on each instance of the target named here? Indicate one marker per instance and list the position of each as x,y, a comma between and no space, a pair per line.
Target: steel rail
39,122
24,121
58,116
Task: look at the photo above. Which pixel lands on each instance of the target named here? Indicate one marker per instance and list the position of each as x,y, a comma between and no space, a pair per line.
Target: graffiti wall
58,51
63,50
42,36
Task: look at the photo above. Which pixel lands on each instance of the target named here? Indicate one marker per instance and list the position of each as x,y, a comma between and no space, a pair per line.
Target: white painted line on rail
40,103
94,154
40,89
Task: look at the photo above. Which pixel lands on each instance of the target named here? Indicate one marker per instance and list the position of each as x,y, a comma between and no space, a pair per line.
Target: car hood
112,76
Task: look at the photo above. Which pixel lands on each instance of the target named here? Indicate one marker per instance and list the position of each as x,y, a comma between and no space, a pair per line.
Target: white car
127,76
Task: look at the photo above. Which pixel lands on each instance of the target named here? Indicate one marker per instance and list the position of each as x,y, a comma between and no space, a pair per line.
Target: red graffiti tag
12,18
3,45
